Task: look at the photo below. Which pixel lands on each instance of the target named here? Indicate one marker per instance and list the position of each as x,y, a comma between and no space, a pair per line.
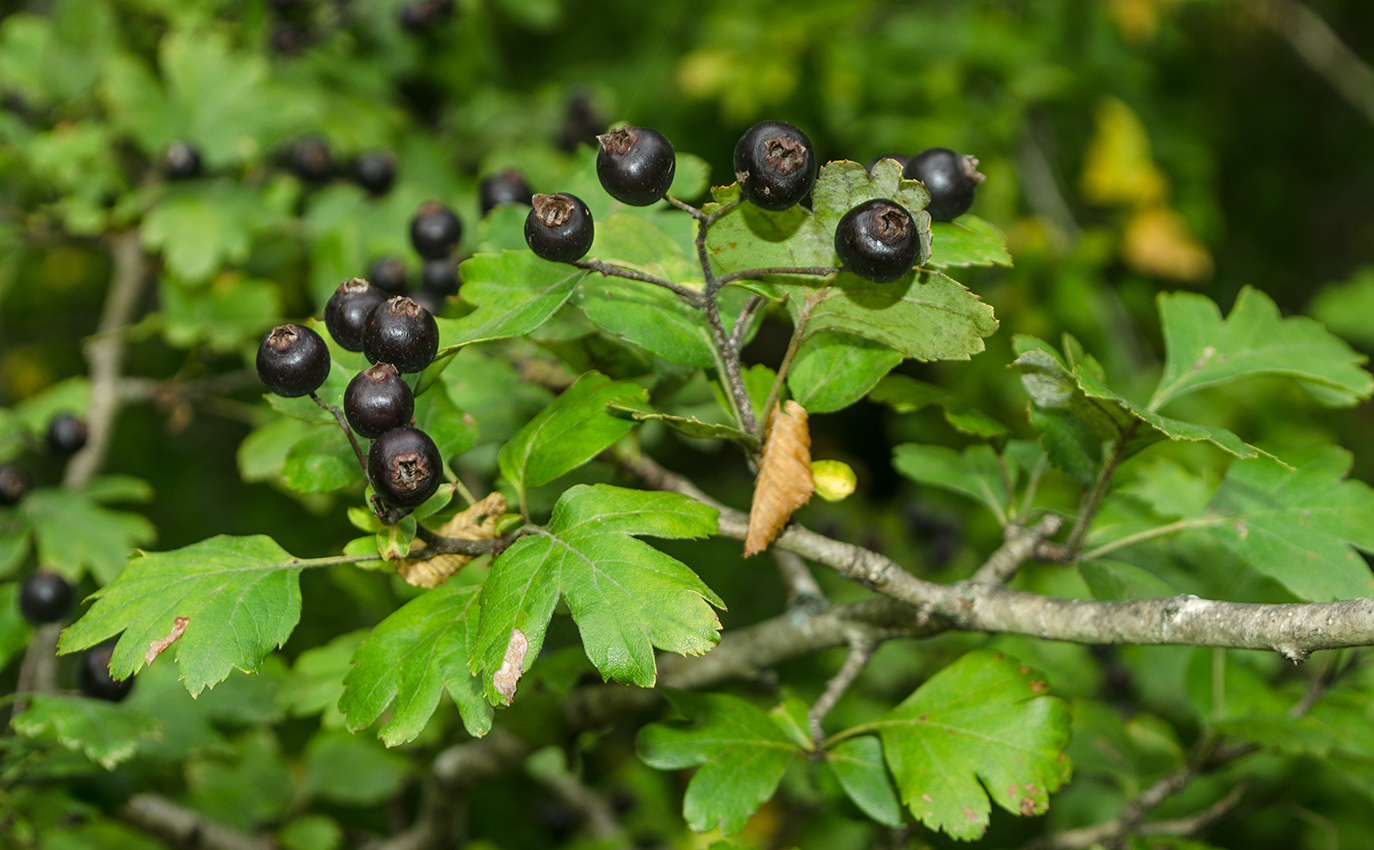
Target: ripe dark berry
312,160
635,165
420,15
389,275
775,165
377,400
949,177
66,434
375,172
14,484
402,333
287,38
435,230
292,361
901,158
581,123
181,161
439,277
44,598
404,467
877,240
93,675
559,228
348,309
508,187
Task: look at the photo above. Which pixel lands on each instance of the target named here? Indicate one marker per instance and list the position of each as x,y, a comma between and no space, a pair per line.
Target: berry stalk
348,432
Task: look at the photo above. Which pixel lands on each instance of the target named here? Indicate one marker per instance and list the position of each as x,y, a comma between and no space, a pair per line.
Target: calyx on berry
402,333
44,597
435,230
292,361
775,165
877,240
635,165
348,309
951,179
375,171
559,228
404,467
377,400
93,675
66,434
508,187
15,483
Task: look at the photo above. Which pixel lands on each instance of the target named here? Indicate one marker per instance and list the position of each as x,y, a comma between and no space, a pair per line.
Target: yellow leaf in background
1138,20
1119,168
1157,243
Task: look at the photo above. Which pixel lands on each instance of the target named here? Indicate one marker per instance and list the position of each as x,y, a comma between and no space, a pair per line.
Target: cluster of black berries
44,598
310,159
420,15
951,178
398,336
435,231
65,437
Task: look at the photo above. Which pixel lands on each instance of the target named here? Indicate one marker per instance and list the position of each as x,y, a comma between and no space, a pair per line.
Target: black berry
402,333
14,484
44,598
377,400
389,275
375,172
404,467
775,165
901,158
635,165
66,434
292,361
93,675
581,123
559,228
181,161
312,160
950,178
435,230
508,187
287,38
877,240
439,277
420,15
348,309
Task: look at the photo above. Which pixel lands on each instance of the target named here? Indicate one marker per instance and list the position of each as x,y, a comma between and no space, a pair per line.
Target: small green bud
834,479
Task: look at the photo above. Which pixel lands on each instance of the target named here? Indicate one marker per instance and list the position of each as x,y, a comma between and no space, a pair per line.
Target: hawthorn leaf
241,596
1204,350
75,534
969,241
322,461
742,752
353,771
15,631
317,680
654,318
1345,308
573,429
628,240
106,733
452,430
974,473
262,454
515,292
691,426
410,659
843,185
833,370
981,727
908,395
625,596
859,767
224,314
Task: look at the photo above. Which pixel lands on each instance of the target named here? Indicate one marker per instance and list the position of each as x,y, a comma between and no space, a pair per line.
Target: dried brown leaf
159,646
784,483
476,523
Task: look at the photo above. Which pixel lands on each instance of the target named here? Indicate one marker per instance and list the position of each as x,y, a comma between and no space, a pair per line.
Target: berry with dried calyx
951,179
435,230
508,187
312,160
377,400
292,361
559,228
44,597
775,165
635,165
93,675
581,123
404,467
346,313
439,277
181,161
877,240
15,484
66,434
402,333
389,275
375,172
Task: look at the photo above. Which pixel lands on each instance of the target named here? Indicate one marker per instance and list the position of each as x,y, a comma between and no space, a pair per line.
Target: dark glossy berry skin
402,333
635,165
93,675
775,165
292,361
312,160
951,179
44,597
66,434
559,228
508,187
181,161
348,309
404,467
15,484
389,275
435,231
877,240
378,400
375,172
439,277
901,158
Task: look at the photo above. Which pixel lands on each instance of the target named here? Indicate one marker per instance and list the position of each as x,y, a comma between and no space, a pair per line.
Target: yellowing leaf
476,523
1119,168
1157,243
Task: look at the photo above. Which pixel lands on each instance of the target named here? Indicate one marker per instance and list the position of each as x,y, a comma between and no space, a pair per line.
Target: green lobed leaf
262,454
629,240
969,241
858,765
691,426
254,786
410,659
833,370
974,473
74,534
241,596
1345,308
625,596
316,681
15,631
224,314
453,431
741,749
982,727
908,395
1109,579
106,733
515,292
322,461
654,318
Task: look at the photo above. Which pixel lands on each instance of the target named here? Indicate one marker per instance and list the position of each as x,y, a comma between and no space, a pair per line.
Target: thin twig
181,826
746,318
750,274
687,208
437,544
1318,45
1150,534
348,432
690,295
861,649
1092,501
1019,547
38,671
804,594
798,334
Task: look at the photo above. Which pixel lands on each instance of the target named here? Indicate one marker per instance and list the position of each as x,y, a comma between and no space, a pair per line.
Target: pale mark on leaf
159,646
512,666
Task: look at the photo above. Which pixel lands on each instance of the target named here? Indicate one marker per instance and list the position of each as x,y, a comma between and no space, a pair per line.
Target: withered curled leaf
476,523
784,483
